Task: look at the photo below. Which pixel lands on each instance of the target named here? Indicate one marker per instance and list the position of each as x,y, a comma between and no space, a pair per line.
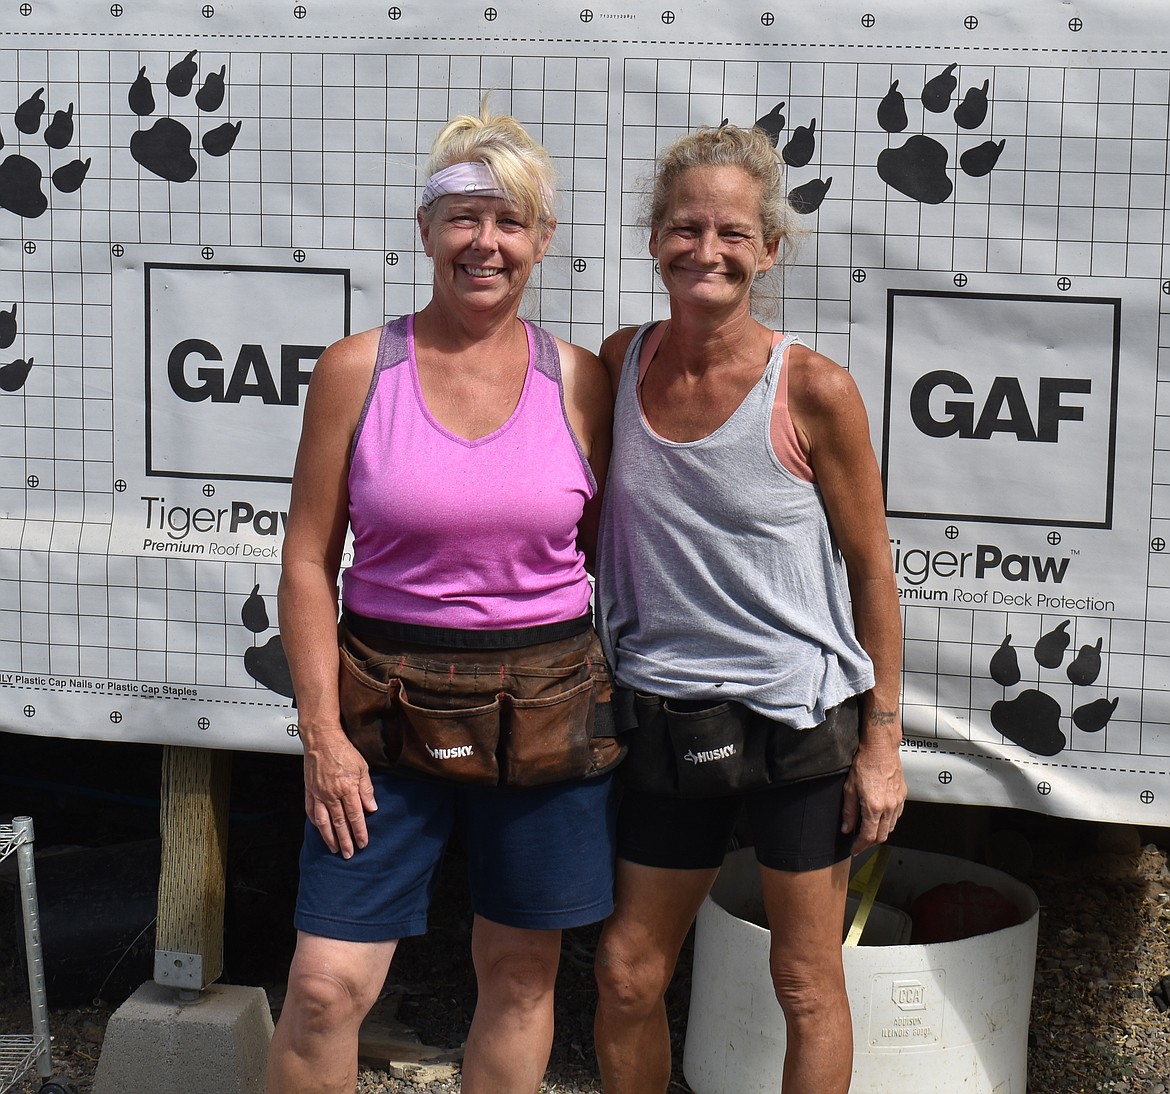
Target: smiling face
483,249
710,241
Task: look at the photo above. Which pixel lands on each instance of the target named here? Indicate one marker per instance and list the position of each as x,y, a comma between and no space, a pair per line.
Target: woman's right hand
338,793
338,790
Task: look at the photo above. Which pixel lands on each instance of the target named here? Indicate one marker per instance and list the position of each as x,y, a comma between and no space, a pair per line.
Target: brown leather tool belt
493,708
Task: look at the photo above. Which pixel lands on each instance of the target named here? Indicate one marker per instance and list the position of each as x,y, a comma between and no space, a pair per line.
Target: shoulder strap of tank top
393,344
651,339
545,357
785,444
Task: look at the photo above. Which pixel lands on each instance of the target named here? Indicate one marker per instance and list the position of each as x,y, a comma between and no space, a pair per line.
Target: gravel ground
1098,1019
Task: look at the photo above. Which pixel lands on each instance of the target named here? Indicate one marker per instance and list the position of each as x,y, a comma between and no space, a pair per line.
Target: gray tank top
717,574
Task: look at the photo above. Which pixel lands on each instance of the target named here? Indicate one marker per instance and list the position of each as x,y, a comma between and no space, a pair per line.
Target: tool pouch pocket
459,745
366,703
547,737
691,750
697,749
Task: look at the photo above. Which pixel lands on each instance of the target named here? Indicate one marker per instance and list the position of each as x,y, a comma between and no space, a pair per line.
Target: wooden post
188,952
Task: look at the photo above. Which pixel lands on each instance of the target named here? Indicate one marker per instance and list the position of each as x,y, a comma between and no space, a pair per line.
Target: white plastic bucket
943,1016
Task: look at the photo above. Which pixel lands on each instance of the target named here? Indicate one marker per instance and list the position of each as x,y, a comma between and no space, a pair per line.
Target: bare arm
613,354
589,403
338,791
831,422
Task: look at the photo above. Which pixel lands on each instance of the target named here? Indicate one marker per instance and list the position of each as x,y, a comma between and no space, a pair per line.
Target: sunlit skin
710,245
483,249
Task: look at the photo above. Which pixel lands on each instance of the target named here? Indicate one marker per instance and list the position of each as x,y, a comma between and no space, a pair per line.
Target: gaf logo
1001,407
229,353
197,371
1004,409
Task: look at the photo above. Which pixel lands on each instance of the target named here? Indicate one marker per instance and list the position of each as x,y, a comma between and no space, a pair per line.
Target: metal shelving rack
20,1052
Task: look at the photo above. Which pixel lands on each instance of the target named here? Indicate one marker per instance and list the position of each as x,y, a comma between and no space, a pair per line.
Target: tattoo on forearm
883,717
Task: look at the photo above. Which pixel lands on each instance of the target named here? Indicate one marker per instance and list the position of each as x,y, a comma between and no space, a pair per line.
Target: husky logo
707,756
459,752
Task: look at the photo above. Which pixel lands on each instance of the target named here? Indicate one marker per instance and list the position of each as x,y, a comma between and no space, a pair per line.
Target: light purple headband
461,178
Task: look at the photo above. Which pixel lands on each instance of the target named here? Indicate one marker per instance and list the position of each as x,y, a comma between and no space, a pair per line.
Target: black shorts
795,827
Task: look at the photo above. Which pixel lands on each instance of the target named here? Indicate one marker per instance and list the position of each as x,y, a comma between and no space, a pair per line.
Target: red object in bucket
960,909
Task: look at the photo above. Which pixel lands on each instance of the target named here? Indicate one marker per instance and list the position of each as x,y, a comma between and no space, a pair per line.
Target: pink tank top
475,534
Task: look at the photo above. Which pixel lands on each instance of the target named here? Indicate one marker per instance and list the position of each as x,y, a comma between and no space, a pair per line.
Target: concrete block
216,1044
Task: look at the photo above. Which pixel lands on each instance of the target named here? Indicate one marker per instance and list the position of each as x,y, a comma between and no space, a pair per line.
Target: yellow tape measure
866,883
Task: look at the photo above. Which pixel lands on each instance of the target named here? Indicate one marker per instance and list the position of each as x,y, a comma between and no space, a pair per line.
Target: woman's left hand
875,792
830,418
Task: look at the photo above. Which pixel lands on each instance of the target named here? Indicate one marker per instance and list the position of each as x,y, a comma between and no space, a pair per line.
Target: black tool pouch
703,750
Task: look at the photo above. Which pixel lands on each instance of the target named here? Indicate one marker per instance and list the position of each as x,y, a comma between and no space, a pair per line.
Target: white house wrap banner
197,199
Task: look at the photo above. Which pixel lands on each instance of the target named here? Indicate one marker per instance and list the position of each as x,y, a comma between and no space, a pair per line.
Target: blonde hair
520,166
752,152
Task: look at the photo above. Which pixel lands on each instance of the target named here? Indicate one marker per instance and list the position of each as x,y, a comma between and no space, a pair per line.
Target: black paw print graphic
165,148
1032,718
14,373
22,183
266,664
918,168
797,151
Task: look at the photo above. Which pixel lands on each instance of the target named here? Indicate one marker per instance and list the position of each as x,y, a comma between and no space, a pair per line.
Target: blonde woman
465,449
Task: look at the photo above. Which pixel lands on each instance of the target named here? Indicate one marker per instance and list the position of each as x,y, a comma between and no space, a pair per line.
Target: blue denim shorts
540,858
